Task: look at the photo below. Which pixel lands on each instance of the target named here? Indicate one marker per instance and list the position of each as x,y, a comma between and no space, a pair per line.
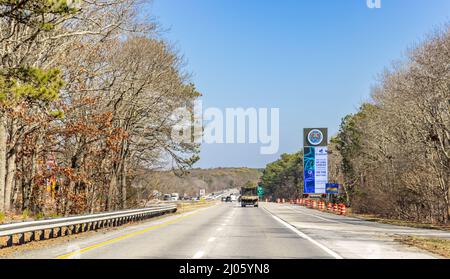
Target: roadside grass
404,223
189,206
437,246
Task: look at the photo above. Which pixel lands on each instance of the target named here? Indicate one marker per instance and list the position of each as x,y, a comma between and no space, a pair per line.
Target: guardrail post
21,239
42,235
33,236
51,233
9,241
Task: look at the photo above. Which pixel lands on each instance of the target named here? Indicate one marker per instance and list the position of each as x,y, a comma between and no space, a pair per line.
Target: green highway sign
260,191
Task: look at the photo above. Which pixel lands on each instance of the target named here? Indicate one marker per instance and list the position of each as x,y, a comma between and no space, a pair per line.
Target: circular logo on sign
315,137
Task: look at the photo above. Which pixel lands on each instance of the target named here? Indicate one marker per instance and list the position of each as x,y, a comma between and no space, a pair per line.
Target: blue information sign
315,160
332,188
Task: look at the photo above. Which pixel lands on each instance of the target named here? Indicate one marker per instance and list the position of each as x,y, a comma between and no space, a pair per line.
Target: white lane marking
198,255
303,235
211,239
219,229
313,215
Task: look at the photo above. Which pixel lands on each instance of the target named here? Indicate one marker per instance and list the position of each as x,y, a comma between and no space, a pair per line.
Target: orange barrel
278,200
335,207
283,200
314,204
329,206
307,203
343,209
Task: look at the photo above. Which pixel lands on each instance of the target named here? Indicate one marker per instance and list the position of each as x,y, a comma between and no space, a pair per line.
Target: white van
175,196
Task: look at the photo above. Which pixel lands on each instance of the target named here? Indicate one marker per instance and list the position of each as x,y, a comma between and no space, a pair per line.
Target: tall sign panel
315,160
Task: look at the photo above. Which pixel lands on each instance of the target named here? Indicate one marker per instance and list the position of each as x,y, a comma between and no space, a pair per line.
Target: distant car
223,199
228,199
167,197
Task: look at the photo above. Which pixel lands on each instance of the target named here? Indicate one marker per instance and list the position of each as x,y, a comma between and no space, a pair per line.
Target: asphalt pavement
226,230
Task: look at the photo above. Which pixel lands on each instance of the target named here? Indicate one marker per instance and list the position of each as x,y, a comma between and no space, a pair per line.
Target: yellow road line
154,227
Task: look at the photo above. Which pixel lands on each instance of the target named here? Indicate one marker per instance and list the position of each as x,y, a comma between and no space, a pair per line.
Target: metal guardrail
73,225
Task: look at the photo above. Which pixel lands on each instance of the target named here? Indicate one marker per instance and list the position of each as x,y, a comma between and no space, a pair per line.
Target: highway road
228,231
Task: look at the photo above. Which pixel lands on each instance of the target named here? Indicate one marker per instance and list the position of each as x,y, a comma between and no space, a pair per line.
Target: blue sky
315,60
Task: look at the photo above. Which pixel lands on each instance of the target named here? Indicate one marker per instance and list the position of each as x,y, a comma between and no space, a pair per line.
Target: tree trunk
3,137
448,200
17,189
124,184
111,192
27,187
11,171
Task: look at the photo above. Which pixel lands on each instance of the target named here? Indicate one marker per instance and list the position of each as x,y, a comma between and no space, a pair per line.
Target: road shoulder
351,237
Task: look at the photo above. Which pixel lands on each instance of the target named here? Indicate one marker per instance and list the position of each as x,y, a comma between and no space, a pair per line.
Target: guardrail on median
77,224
